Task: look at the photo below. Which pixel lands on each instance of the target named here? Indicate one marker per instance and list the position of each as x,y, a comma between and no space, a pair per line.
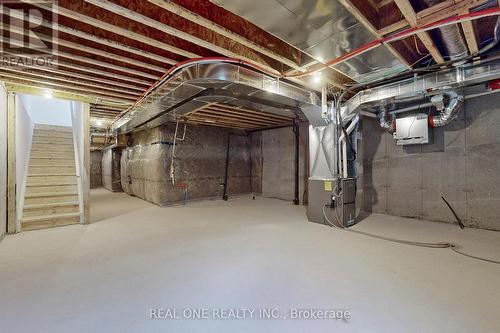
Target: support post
296,130
86,163
11,164
226,172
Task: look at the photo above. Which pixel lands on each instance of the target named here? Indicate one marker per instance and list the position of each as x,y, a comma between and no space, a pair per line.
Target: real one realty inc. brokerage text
249,313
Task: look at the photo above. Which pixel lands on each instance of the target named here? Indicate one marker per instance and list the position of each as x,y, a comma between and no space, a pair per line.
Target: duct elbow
448,109
387,124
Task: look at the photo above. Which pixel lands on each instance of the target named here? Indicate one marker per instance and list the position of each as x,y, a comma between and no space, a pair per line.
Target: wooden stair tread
53,158
52,150
55,204
51,184
48,217
55,128
50,194
53,166
51,174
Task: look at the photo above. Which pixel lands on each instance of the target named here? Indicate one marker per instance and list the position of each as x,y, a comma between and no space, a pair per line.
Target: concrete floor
106,276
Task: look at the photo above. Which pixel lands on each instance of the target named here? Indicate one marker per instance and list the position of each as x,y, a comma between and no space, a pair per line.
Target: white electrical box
412,130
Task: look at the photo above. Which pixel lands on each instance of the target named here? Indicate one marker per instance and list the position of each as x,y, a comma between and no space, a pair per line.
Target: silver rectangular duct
424,85
322,152
198,84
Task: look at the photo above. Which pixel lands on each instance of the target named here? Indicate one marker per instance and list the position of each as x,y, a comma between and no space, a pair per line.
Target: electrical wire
438,245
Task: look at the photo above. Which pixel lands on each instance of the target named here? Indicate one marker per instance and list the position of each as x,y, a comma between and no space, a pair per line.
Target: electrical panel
412,130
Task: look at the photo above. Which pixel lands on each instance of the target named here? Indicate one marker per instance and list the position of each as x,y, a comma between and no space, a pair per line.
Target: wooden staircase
51,198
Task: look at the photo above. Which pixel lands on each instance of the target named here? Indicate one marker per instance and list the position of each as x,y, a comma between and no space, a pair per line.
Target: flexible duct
385,122
451,37
449,111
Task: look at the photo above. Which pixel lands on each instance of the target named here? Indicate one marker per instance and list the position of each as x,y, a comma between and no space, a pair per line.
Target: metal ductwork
386,121
449,104
200,83
451,36
421,86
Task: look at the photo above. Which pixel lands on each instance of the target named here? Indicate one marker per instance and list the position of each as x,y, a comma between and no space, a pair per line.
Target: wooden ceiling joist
90,61
367,24
240,114
195,18
95,71
44,84
59,41
59,71
210,45
226,107
470,36
89,37
226,115
116,29
446,8
109,89
411,16
237,116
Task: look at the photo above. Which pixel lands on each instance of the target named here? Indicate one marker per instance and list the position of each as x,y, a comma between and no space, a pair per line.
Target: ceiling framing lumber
117,30
68,80
94,51
93,38
366,23
411,16
90,78
38,90
434,13
134,16
96,71
470,36
226,115
447,8
89,61
195,18
123,98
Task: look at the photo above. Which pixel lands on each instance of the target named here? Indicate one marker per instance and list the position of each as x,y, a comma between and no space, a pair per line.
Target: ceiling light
320,59
99,123
317,77
47,93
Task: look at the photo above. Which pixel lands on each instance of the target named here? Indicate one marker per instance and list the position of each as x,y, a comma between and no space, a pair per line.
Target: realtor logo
28,36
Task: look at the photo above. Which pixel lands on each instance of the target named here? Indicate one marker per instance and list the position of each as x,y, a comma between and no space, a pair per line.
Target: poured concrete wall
277,172
199,164
462,164
111,178
95,169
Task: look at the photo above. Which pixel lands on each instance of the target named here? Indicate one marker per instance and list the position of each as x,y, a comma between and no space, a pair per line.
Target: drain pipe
447,112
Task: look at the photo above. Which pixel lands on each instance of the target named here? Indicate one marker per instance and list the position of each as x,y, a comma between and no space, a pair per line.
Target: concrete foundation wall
199,164
96,169
462,164
274,163
111,178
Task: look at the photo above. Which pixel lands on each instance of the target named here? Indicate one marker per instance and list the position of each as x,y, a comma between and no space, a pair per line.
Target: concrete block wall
462,164
95,169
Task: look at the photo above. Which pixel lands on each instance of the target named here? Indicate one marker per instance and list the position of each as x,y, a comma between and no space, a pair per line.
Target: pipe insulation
449,104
